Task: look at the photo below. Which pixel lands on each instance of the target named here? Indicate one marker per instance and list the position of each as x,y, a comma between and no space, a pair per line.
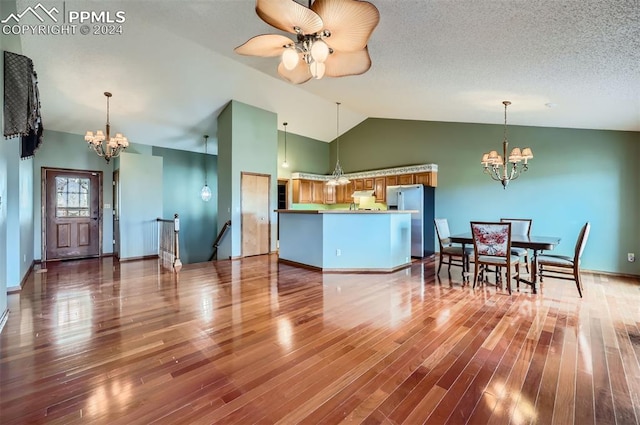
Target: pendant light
338,177
505,168
285,164
205,192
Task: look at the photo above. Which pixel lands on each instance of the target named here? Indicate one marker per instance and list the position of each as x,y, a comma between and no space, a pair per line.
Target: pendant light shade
205,192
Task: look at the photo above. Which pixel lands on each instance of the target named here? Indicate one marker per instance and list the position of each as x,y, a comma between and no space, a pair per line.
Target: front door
256,226
72,221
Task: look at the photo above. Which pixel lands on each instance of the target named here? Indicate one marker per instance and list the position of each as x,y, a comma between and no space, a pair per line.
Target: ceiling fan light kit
331,37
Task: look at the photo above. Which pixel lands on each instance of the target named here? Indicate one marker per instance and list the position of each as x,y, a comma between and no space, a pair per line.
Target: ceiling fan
330,37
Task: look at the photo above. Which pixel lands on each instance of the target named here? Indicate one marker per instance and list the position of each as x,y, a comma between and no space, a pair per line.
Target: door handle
95,218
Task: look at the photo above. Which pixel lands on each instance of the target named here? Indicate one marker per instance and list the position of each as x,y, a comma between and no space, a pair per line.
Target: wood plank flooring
255,341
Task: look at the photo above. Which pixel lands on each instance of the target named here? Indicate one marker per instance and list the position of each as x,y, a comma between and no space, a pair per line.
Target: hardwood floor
254,341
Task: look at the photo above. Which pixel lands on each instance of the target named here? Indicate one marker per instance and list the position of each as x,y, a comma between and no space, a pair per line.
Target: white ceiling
173,69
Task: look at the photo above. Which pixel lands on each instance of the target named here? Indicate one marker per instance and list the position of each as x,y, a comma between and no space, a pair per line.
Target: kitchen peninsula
345,240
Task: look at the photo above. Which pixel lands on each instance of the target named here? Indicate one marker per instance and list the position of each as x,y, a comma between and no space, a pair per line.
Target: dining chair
454,253
520,226
565,267
492,247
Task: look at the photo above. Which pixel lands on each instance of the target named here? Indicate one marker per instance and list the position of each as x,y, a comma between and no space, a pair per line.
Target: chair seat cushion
522,252
555,260
456,250
512,259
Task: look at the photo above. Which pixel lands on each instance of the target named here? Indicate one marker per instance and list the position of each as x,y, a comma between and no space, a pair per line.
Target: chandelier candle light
511,168
338,177
114,145
205,192
285,164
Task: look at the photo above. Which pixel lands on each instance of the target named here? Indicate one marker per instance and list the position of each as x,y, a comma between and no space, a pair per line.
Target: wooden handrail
218,239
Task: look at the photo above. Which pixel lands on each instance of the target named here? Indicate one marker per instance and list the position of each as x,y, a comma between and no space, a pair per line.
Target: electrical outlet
631,257
338,252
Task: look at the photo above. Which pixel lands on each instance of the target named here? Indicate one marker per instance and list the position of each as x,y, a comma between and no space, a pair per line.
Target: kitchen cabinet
317,192
302,192
343,193
308,189
330,193
405,179
380,187
369,183
427,179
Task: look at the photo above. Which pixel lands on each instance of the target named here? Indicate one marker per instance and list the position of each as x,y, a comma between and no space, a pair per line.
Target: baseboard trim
345,271
144,257
16,289
613,274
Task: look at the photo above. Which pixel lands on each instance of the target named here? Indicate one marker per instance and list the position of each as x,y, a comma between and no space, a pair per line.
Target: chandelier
285,164
502,168
330,37
205,192
114,145
338,177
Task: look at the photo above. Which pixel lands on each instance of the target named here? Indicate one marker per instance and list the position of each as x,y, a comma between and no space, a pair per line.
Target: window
72,197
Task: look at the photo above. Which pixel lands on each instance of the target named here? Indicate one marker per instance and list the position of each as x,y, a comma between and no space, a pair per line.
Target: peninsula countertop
347,211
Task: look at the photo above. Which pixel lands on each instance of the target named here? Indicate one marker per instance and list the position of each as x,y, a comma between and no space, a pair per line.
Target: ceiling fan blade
287,14
341,64
266,45
351,22
300,74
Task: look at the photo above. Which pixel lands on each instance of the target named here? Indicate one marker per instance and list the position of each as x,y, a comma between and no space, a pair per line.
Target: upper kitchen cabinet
343,193
317,192
426,179
302,191
380,186
406,179
312,188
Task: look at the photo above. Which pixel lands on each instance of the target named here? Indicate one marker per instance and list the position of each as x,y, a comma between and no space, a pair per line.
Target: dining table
534,243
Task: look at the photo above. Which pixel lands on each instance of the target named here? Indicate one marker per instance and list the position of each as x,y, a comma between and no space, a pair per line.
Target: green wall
182,178
247,142
140,204
66,150
303,154
180,170
575,176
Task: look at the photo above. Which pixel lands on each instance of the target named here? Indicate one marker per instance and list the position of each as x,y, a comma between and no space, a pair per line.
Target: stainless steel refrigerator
422,199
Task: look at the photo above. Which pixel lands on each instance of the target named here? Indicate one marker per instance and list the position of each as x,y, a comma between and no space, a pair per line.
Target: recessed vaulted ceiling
173,69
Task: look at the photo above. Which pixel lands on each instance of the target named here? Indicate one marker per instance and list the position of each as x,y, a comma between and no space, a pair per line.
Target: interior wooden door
256,225
72,221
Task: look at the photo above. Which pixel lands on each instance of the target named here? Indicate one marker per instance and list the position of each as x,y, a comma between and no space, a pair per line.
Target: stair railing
169,243
218,239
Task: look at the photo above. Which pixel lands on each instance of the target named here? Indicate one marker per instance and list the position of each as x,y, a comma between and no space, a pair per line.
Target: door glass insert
72,197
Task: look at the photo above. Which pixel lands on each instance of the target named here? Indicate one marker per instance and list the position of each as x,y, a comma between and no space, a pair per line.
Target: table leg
465,263
534,272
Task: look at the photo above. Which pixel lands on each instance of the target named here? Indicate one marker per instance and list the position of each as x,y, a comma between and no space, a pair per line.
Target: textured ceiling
173,68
